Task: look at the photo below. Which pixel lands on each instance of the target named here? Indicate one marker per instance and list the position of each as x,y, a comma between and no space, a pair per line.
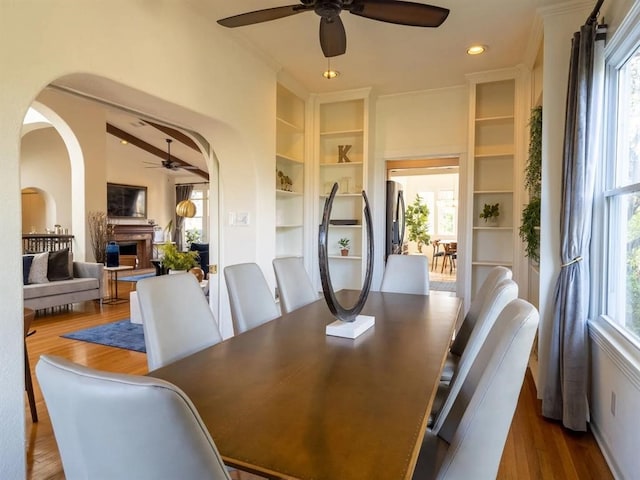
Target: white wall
44,165
426,124
125,165
210,85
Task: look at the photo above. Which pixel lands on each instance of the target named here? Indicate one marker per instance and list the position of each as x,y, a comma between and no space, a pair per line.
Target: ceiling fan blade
333,38
399,12
265,15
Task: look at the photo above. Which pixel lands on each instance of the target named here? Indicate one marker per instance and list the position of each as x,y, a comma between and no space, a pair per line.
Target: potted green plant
345,245
490,212
175,260
530,220
417,222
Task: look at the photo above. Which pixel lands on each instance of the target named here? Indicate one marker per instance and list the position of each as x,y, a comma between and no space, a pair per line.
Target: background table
113,284
287,401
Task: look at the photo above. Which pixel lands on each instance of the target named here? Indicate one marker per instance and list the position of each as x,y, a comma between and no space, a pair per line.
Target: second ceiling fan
333,39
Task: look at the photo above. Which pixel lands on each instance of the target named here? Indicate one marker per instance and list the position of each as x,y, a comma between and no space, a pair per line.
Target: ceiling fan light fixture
329,74
476,49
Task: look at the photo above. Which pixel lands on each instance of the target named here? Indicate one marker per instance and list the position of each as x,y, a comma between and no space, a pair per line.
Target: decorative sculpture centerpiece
349,323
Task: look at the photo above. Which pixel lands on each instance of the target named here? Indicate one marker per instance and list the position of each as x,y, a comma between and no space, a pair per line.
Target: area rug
443,286
135,278
122,334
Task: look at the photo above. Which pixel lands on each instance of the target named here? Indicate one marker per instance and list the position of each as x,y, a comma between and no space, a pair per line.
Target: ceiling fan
333,39
170,164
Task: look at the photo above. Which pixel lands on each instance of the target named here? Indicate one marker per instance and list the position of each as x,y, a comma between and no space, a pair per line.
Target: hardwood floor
536,448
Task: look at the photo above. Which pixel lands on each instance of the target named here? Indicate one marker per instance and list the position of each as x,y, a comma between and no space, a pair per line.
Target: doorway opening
434,183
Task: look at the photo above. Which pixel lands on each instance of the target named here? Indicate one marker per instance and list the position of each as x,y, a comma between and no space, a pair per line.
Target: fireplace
137,239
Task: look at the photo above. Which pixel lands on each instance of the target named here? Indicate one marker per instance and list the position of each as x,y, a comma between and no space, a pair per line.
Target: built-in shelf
290,160
341,133
282,158
342,130
496,119
286,193
493,228
492,264
493,146
284,124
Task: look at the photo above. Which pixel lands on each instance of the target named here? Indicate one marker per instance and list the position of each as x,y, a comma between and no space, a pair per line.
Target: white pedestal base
134,308
354,329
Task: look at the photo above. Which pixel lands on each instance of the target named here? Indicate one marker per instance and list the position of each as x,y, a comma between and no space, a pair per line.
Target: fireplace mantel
142,234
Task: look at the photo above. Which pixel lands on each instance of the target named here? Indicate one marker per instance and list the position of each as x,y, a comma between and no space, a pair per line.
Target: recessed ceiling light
329,74
123,142
476,49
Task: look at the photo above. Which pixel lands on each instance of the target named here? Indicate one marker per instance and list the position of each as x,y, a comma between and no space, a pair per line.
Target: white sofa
86,284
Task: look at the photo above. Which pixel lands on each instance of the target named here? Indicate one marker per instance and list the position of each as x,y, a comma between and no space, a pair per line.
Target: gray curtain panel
183,192
565,391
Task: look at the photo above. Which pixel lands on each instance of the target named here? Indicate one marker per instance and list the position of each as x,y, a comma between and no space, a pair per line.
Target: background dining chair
437,253
29,315
295,289
176,318
489,306
495,302
471,440
110,425
450,256
250,300
495,276
406,274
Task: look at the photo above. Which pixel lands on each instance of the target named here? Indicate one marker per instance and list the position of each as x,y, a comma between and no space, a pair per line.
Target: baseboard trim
606,452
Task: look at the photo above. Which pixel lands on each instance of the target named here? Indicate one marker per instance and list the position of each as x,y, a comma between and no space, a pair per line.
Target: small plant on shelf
345,245
490,212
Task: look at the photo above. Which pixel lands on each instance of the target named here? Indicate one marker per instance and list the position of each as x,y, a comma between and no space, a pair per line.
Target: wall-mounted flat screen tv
126,201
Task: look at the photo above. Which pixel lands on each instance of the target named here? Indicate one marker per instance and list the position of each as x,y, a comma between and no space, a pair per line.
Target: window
197,228
622,195
446,212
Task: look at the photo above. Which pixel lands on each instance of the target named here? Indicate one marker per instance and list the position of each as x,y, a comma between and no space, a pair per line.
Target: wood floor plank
536,448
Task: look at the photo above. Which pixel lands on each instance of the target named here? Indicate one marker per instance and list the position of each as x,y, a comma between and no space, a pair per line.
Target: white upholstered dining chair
295,289
176,318
250,300
406,274
495,276
472,437
495,302
110,425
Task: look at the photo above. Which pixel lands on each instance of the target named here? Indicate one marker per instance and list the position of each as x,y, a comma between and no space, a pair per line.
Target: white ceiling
389,58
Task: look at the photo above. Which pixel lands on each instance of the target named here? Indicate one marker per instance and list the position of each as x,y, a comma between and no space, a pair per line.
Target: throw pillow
58,266
39,266
27,260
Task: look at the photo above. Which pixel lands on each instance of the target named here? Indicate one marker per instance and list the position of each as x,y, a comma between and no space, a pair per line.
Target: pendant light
186,208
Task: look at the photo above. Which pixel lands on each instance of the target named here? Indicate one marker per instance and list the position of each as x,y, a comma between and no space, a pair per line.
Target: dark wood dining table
284,400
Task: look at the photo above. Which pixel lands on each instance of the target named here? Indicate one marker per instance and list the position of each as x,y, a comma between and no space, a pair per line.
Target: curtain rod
594,14
194,183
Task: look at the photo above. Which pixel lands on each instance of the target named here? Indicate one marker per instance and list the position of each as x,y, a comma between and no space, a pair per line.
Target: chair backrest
111,425
495,276
250,300
203,255
176,318
294,285
406,274
495,302
477,425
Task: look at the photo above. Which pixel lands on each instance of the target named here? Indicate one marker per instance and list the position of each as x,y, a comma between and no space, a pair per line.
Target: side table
113,299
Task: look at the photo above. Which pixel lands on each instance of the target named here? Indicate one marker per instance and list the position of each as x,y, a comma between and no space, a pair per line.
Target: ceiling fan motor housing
329,8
